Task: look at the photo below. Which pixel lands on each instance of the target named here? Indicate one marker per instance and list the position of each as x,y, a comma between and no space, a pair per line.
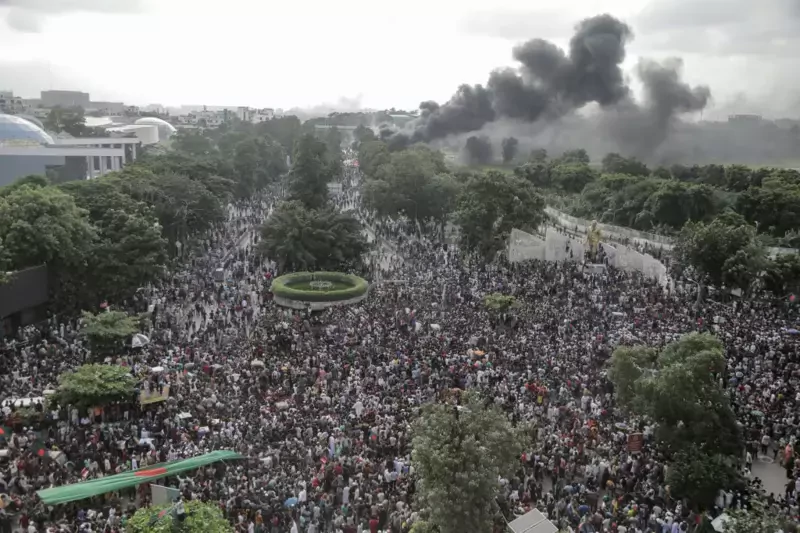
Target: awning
95,487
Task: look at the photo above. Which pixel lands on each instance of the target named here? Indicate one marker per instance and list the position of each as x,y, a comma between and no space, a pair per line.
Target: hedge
282,287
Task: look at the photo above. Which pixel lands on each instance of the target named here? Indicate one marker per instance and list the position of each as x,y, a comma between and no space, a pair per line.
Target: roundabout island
318,290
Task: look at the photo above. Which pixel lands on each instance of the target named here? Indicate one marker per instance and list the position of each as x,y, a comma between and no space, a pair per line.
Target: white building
255,116
11,104
27,149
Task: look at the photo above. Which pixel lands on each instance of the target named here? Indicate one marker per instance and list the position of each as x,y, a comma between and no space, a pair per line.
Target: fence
558,246
570,221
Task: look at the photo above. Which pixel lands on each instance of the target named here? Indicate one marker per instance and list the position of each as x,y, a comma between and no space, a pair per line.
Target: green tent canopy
95,487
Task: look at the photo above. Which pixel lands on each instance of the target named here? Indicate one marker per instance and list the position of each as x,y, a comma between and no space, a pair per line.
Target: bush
282,287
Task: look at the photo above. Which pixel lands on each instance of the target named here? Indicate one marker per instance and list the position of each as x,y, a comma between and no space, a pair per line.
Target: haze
358,54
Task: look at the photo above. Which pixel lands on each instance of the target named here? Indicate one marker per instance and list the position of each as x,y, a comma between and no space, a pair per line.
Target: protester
321,403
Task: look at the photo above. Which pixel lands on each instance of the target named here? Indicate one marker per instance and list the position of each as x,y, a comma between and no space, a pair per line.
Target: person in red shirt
373,525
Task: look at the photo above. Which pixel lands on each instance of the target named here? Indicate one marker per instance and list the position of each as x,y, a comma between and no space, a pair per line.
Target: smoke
550,83
478,150
28,16
641,128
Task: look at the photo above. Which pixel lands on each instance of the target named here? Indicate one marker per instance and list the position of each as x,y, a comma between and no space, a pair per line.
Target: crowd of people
320,403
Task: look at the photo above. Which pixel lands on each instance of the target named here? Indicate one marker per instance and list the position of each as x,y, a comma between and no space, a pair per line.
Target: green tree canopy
43,225
201,517
411,182
782,274
491,205
616,164
698,477
679,389
95,385
722,252
572,177
459,454
257,162
311,172
760,517
499,303
301,239
108,331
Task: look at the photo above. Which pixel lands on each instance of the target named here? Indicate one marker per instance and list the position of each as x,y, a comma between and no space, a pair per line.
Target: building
107,108
65,99
27,149
165,129
745,119
255,116
11,104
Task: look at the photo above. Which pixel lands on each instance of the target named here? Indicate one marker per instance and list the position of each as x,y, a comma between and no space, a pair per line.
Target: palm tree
300,239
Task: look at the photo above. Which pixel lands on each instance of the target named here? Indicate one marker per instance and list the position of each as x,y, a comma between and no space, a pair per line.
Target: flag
85,473
38,448
5,432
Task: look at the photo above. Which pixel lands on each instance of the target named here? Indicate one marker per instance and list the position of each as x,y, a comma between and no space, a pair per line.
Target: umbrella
139,340
291,502
256,362
792,331
756,412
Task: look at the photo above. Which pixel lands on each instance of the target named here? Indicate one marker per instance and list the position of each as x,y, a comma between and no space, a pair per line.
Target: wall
26,289
13,167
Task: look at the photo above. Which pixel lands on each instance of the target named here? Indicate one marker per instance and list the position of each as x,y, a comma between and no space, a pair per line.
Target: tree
616,164
201,517
490,206
95,385
572,177
679,389
183,206
286,130
509,146
195,143
479,150
499,303
43,225
363,134
538,155
34,180
459,453
574,156
407,184
737,178
759,517
724,251
782,274
129,253
774,207
697,476
108,331
257,162
70,120
311,173
538,173
300,239
371,156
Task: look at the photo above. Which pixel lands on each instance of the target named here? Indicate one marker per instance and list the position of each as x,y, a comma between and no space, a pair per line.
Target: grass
306,286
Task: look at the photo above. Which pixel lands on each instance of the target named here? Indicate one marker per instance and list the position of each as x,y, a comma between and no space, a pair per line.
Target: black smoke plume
551,82
641,128
479,150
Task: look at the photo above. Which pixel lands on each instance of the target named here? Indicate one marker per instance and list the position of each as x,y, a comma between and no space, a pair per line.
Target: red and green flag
38,448
5,432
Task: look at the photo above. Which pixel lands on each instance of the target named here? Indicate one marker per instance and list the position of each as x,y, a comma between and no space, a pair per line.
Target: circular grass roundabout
318,290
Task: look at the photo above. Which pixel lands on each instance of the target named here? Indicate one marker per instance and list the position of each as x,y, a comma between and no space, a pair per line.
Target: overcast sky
303,53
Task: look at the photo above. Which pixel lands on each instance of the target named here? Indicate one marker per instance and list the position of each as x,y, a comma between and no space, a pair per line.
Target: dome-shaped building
165,129
17,130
